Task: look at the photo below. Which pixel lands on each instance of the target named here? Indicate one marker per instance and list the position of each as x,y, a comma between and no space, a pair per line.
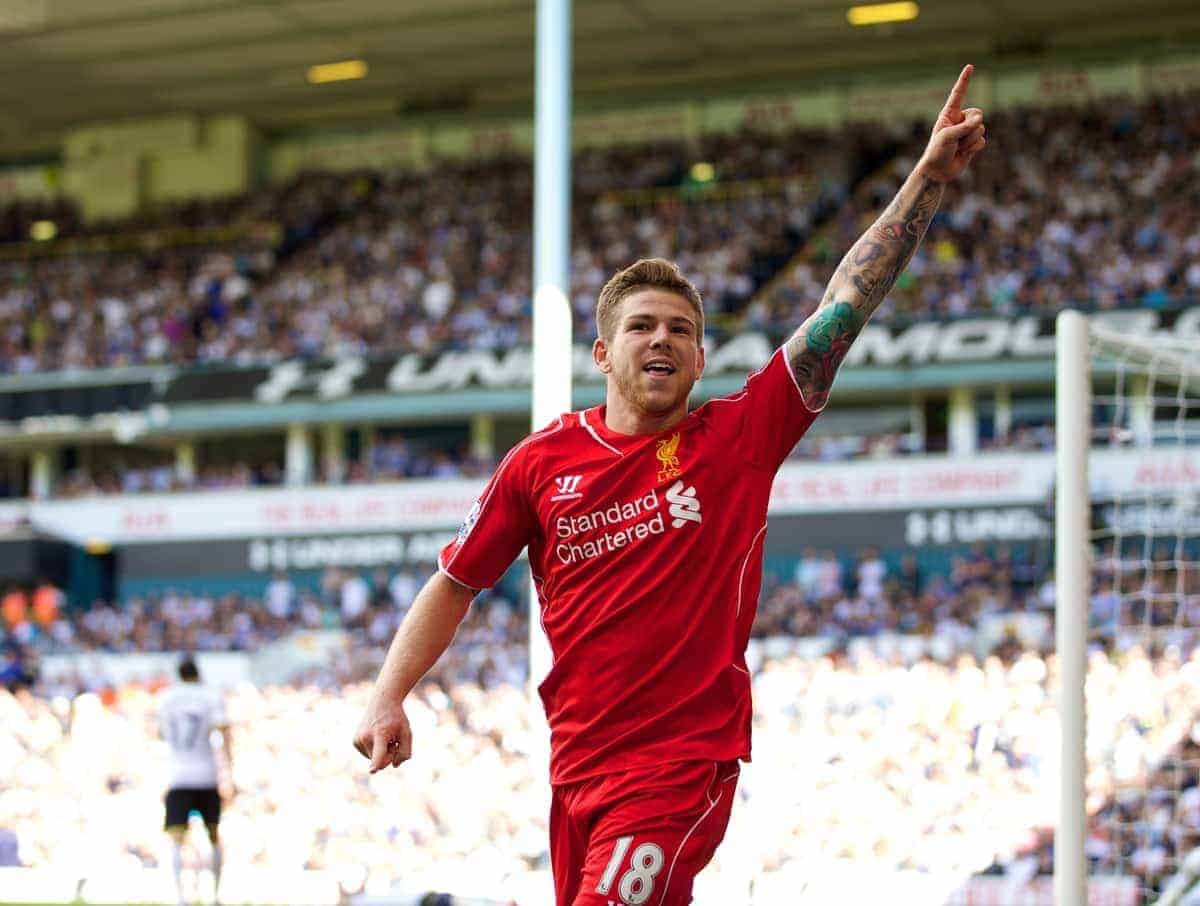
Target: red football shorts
639,838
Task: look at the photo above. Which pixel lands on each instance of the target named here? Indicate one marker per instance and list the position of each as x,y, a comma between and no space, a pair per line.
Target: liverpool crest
668,461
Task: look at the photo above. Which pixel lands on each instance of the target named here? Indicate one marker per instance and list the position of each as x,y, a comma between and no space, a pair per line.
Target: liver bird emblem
668,461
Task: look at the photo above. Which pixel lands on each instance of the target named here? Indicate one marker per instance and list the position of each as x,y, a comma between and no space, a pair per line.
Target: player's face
655,355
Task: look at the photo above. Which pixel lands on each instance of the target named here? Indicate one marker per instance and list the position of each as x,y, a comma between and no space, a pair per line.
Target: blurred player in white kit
189,714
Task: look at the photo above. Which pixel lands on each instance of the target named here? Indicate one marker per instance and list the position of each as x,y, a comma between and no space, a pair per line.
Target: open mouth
659,368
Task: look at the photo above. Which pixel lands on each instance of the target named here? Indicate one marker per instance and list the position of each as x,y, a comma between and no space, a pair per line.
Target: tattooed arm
858,286
872,265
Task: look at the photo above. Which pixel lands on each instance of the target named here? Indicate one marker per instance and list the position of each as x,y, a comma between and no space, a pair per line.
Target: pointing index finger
959,91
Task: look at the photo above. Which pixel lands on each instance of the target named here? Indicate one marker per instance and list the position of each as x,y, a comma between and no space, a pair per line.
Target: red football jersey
646,552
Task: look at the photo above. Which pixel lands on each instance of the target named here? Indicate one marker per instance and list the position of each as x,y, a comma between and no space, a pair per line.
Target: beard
632,389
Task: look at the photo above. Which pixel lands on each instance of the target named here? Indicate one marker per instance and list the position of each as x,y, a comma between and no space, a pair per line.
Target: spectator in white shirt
871,574
355,596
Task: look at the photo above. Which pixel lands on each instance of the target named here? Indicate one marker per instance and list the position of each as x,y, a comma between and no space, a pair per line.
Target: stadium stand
826,597
430,261
1149,819
393,457
947,782
361,262
1113,183
846,656
417,261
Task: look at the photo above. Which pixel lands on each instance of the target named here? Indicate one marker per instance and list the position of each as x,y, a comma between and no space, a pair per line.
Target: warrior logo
668,462
567,487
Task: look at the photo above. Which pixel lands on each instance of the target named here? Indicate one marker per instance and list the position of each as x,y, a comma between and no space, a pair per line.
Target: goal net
1128,617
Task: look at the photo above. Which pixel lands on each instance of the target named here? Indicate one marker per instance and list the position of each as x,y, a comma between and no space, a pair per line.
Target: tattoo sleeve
859,285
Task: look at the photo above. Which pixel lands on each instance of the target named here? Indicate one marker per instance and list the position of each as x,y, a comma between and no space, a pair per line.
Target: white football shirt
189,714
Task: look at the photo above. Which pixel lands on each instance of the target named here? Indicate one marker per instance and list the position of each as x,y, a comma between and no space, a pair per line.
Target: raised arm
384,735
874,262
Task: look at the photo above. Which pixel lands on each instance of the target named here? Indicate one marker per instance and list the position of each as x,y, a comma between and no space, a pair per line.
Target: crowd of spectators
480,680
826,597
441,259
174,620
420,261
832,598
431,261
1136,589
368,606
935,759
1148,816
126,308
1034,436
942,767
391,457
302,800
165,478
843,447
394,457
1092,206
1152,824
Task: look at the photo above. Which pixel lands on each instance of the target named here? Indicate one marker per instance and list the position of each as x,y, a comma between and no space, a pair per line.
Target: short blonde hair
656,273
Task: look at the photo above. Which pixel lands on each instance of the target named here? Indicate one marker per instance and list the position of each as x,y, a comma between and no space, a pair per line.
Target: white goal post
1072,598
1110,389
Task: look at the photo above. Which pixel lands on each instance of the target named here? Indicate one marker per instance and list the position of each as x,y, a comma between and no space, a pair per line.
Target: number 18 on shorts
639,838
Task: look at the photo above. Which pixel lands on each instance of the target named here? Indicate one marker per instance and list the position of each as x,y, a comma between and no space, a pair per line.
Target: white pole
963,427
1073,433
43,468
298,455
551,253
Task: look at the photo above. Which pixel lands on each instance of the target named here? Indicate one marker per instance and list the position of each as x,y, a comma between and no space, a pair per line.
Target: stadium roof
70,62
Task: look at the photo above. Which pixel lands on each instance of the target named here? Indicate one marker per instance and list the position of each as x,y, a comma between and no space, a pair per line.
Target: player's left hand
958,135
